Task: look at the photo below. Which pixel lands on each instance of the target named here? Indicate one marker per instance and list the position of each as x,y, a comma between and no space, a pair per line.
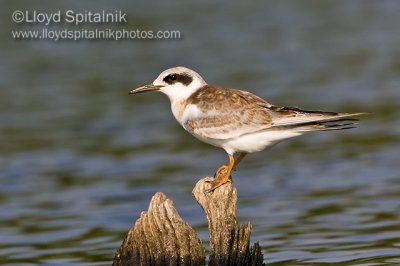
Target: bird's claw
221,177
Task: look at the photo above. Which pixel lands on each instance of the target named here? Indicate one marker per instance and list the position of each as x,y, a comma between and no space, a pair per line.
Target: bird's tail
325,125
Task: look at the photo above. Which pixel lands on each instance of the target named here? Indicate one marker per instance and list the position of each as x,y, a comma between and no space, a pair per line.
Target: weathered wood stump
229,243
161,237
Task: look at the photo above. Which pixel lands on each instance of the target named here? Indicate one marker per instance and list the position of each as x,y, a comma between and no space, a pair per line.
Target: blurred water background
80,158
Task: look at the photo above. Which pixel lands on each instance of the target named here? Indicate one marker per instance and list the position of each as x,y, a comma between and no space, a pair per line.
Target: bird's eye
170,78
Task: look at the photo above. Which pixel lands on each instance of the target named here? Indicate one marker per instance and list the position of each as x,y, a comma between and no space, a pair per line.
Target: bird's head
178,83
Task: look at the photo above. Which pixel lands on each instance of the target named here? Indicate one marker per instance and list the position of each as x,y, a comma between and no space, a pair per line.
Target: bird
235,120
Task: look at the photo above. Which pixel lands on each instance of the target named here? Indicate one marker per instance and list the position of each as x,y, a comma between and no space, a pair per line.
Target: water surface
80,158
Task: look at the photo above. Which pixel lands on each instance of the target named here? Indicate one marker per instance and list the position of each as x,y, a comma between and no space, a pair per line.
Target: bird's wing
227,113
302,120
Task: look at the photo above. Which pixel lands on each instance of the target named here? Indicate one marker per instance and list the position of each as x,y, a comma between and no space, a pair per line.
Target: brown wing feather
229,113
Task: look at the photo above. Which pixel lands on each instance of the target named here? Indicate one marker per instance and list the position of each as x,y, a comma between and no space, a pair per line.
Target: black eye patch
183,78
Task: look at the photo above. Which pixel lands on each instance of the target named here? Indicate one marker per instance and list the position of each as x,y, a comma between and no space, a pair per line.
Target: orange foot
221,177
223,174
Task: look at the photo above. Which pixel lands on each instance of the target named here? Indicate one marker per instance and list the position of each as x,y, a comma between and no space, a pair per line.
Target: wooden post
161,237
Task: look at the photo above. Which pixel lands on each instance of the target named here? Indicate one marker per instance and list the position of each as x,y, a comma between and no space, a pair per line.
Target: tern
236,120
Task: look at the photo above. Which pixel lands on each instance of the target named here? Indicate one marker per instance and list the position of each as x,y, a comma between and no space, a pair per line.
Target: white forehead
180,70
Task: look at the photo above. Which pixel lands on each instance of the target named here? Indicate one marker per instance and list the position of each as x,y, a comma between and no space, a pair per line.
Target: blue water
80,158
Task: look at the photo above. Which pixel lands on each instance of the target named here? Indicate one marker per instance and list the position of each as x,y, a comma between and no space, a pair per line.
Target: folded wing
230,113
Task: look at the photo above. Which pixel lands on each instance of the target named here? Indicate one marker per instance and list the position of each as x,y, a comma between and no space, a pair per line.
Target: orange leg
239,159
223,174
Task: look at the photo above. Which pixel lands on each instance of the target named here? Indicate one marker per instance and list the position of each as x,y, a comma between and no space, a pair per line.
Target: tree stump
229,243
161,237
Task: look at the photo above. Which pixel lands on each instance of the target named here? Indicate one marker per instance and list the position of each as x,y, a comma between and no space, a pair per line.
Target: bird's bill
149,87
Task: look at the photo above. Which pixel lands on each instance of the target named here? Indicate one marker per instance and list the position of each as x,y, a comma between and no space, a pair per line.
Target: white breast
184,112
